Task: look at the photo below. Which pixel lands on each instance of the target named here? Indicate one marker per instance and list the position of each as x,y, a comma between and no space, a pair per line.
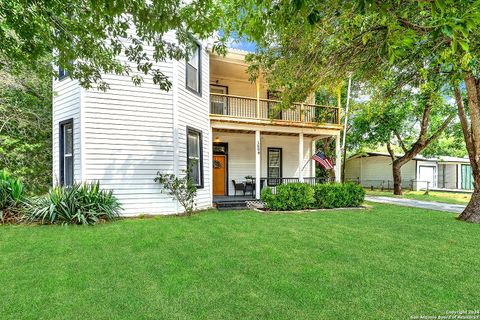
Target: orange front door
219,174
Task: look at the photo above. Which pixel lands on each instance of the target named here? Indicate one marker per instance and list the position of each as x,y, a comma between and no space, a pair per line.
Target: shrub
292,196
181,189
78,204
336,195
11,198
298,196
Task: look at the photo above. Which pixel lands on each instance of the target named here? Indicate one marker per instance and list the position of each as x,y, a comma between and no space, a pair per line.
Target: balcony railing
264,109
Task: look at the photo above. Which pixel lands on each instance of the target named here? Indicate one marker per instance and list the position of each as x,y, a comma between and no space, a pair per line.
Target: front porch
245,161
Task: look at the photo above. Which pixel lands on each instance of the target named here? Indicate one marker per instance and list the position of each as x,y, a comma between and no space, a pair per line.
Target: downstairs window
66,152
195,156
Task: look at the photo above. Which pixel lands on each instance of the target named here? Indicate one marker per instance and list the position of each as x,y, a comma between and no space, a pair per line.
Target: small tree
181,189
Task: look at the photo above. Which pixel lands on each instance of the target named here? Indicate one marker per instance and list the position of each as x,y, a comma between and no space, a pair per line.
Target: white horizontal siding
129,138
66,105
241,155
353,169
373,170
451,176
289,145
193,111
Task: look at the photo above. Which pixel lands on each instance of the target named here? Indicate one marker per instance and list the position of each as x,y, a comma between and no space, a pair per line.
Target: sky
242,45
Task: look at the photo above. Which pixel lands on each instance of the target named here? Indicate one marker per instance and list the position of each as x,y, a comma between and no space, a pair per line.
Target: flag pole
308,161
346,109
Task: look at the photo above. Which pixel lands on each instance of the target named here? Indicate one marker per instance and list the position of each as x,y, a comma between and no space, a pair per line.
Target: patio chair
238,187
250,187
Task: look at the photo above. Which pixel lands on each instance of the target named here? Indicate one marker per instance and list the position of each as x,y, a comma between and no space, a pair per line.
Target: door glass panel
218,103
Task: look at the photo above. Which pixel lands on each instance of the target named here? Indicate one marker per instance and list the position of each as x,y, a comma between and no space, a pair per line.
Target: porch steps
231,204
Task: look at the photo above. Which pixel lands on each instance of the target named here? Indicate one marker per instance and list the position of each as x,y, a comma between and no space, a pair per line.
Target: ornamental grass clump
84,203
12,197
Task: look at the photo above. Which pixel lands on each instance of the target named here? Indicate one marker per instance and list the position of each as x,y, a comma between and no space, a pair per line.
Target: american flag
321,158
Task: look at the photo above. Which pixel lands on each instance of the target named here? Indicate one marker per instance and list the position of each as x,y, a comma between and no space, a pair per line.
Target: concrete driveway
454,208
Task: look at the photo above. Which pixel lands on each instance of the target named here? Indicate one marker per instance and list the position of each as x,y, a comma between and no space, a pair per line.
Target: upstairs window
66,152
193,80
195,156
62,73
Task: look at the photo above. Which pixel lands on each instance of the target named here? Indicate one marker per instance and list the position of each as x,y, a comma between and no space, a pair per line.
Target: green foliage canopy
26,128
304,44
86,37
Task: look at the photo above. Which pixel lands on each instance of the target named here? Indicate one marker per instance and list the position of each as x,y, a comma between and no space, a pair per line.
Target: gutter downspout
345,125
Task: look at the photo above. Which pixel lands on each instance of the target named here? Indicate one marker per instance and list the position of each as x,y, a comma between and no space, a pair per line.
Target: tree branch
425,121
400,140
411,25
439,130
463,118
390,151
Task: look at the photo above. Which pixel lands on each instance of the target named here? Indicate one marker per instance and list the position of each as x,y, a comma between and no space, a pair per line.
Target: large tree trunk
472,211
471,134
397,178
396,170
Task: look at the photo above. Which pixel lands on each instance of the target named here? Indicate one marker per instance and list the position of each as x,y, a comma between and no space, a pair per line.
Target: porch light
217,139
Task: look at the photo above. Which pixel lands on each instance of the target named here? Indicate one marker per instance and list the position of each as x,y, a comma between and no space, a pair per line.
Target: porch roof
275,128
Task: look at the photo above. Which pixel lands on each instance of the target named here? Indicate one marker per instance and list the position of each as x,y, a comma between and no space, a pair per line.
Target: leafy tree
305,43
26,127
86,37
412,119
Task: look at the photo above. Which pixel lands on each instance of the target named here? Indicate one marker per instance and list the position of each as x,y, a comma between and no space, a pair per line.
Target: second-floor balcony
224,106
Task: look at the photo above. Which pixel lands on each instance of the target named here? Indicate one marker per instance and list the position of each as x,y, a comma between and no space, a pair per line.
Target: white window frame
197,68
199,158
64,180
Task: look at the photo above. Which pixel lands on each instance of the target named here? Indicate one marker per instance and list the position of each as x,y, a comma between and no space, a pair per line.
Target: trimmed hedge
299,196
291,196
336,195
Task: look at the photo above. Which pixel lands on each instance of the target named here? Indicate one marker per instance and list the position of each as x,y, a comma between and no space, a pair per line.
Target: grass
445,197
384,263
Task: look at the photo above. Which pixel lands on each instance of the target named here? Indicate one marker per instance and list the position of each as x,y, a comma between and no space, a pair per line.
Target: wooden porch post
338,161
300,157
257,164
313,172
339,104
257,110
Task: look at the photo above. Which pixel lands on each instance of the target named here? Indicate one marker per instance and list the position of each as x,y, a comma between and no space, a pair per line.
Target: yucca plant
84,203
11,198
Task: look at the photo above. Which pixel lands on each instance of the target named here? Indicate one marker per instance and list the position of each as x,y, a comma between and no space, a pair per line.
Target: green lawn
445,197
384,263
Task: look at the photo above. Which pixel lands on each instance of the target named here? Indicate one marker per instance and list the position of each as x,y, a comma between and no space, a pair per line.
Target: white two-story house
213,117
